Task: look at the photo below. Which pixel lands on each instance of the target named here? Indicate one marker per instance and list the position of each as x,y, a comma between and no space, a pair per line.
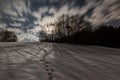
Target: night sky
28,17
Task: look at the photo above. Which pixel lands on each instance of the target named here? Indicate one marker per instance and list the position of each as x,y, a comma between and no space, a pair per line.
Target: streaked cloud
3,25
105,11
27,37
25,16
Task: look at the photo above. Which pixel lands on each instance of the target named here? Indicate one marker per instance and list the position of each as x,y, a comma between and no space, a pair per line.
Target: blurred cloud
105,11
16,24
24,16
2,25
18,31
27,37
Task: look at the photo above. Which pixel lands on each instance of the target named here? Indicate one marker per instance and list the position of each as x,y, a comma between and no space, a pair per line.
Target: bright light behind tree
50,29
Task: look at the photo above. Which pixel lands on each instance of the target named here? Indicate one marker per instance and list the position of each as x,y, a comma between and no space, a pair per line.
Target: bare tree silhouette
8,36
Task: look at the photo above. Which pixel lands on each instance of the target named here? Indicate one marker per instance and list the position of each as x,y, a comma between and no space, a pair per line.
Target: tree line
66,26
75,29
104,35
7,36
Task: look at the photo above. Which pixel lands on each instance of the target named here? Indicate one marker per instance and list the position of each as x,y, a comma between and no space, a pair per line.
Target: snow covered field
52,61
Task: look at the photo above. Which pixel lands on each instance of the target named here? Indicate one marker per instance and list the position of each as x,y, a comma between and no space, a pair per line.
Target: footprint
46,62
52,70
41,60
46,66
50,73
50,78
47,69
